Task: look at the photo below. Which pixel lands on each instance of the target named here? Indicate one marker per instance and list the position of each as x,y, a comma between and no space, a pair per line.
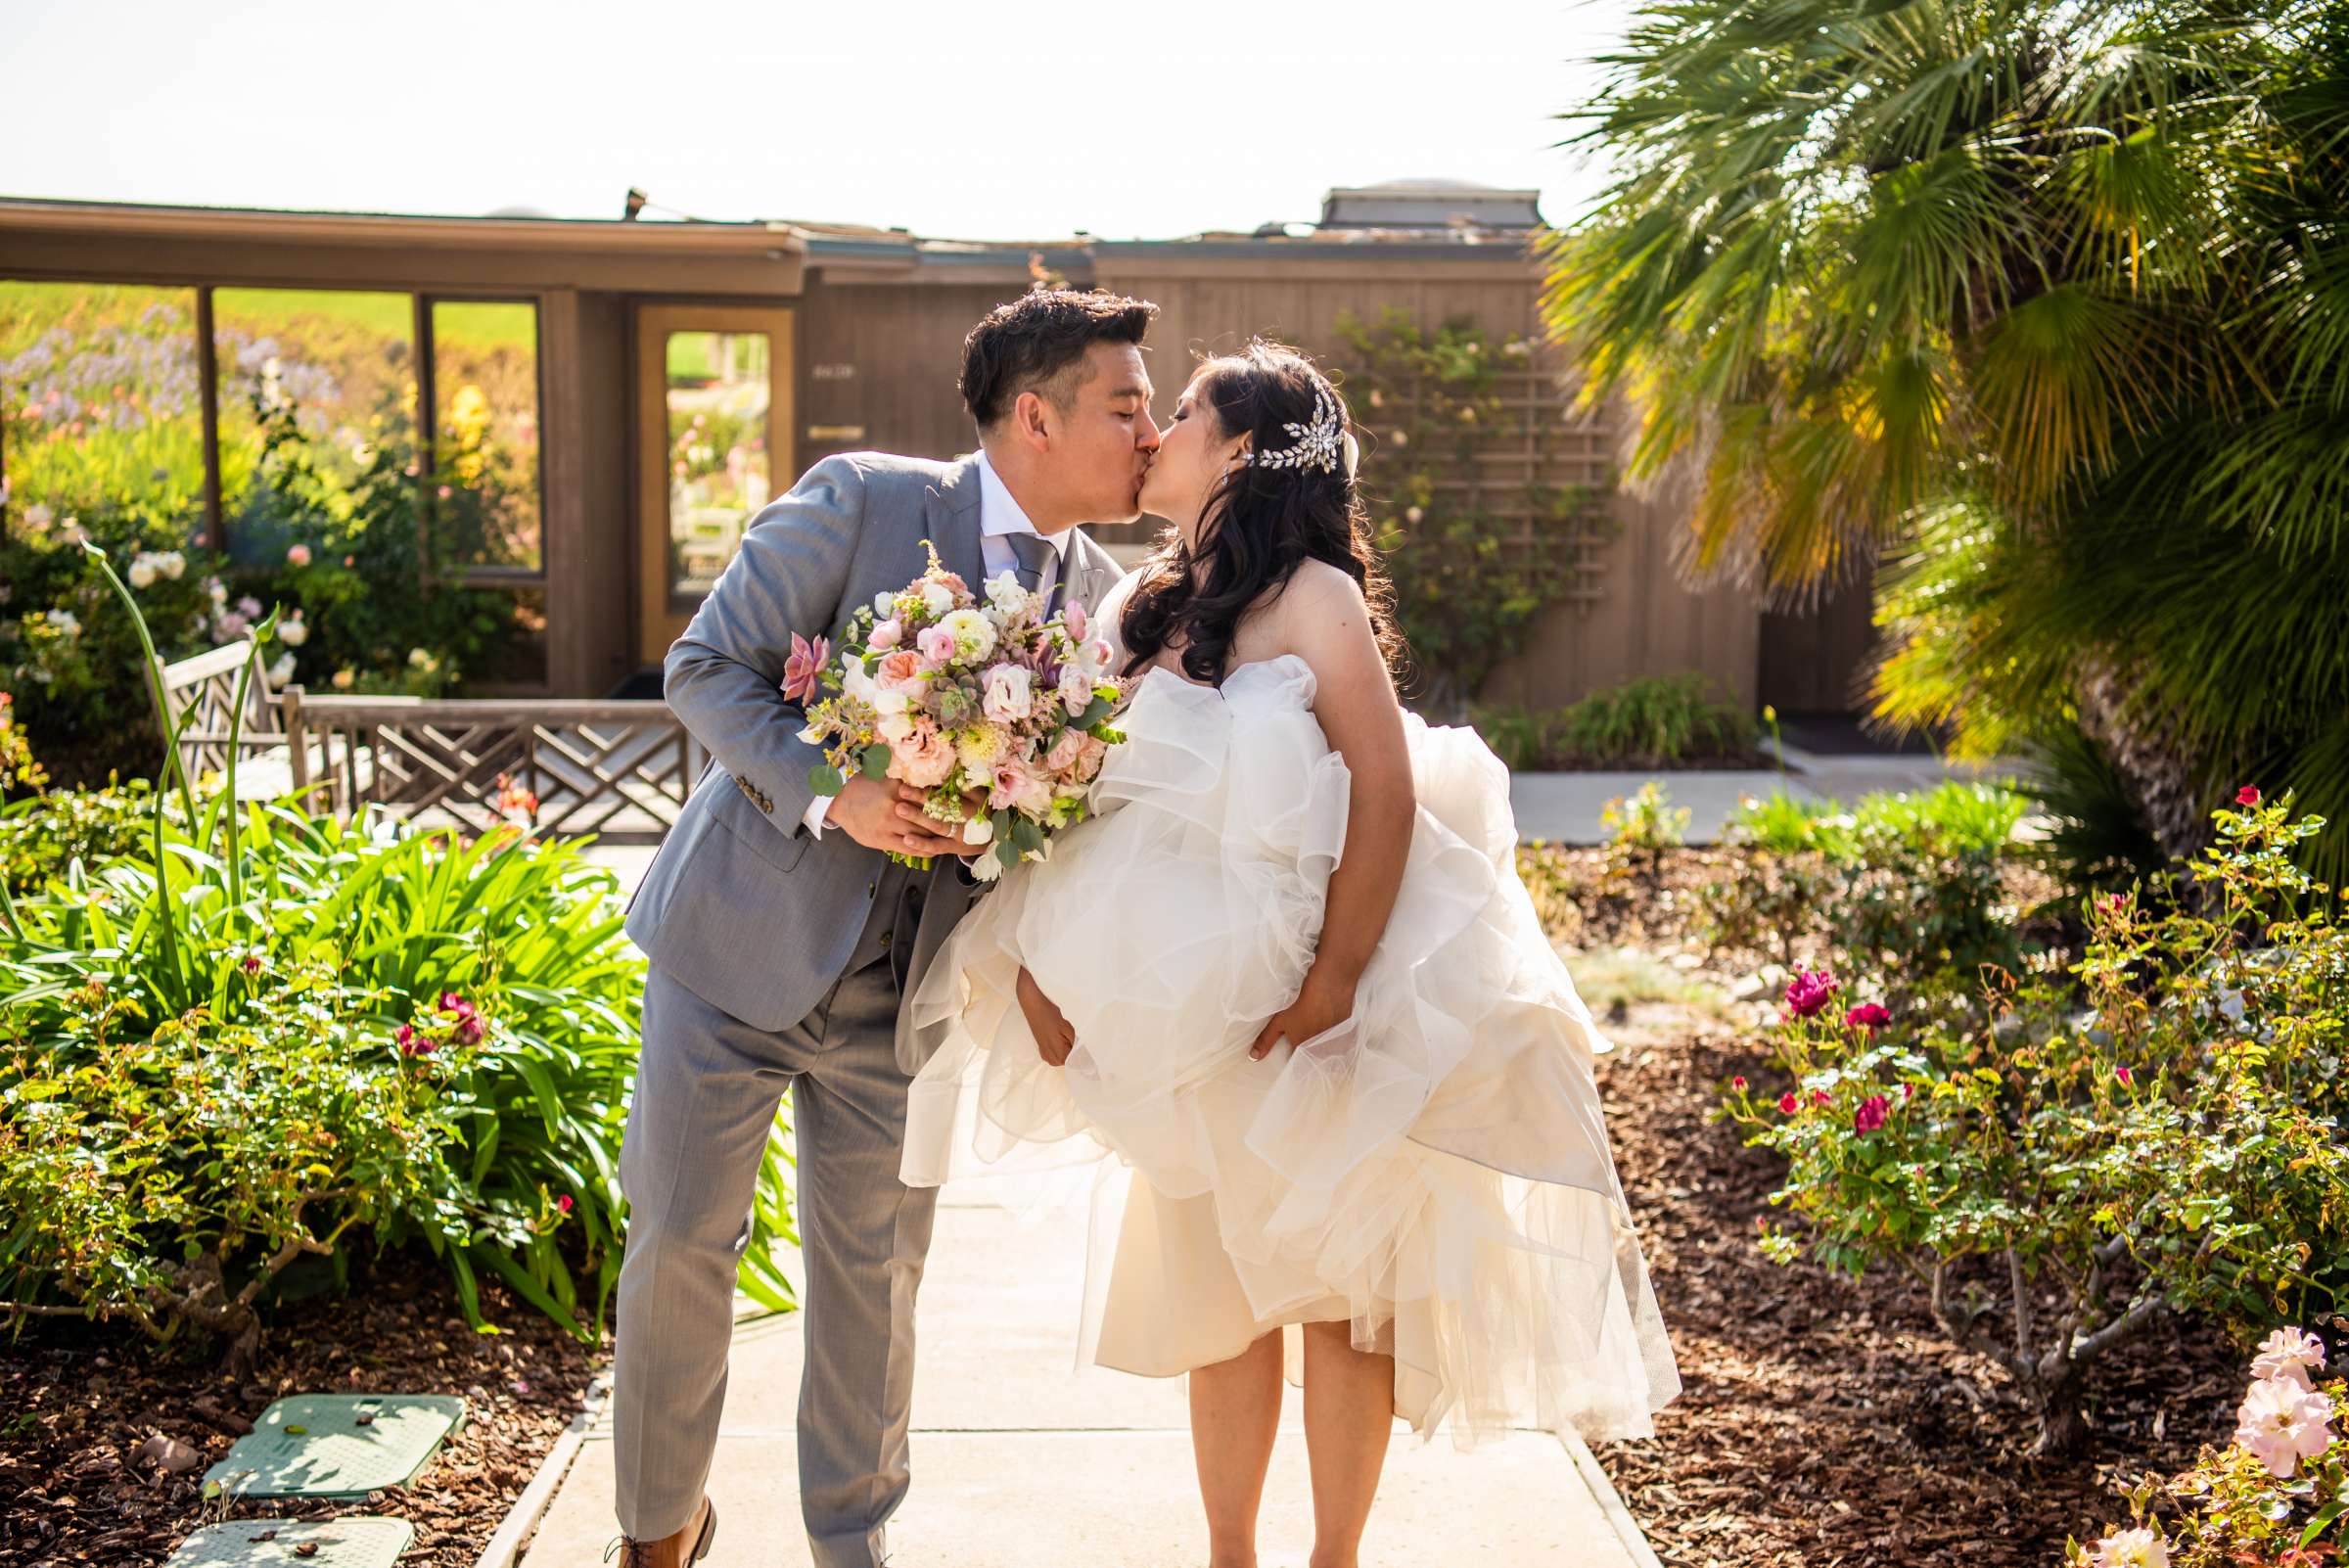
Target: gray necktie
1033,552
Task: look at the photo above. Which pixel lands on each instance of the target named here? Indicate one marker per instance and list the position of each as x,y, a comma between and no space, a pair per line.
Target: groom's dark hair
1036,343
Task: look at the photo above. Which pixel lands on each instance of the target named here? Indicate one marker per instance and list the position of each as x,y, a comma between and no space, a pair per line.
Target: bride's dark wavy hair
1258,524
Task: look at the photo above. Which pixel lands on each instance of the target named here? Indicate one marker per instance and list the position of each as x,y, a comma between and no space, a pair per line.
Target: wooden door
713,444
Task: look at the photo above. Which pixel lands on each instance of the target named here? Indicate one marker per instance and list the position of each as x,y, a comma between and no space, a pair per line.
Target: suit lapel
952,523
1091,572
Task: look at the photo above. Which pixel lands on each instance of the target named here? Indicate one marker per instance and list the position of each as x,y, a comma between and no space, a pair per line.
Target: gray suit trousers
706,1092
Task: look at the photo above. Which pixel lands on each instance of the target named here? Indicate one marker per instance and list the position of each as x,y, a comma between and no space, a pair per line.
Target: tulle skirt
1434,1170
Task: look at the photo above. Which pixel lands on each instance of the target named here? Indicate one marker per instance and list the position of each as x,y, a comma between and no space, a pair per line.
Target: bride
1287,974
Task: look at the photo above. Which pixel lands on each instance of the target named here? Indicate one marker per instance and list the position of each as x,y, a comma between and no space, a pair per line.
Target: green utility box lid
336,1445
296,1543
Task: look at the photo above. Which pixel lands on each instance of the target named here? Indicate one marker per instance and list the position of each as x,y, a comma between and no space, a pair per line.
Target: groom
782,937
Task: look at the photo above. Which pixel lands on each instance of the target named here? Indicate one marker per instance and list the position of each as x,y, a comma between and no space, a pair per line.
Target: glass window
100,415
317,397
719,475
485,495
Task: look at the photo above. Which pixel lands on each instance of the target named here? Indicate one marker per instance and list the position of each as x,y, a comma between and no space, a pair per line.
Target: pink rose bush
963,696
2277,1494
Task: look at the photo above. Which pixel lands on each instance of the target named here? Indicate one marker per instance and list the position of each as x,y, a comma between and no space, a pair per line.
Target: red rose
2248,795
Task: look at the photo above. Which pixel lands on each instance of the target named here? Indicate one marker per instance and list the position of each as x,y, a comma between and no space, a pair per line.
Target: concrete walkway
1021,1462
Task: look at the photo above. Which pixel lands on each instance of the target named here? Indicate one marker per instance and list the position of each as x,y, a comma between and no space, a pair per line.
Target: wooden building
830,339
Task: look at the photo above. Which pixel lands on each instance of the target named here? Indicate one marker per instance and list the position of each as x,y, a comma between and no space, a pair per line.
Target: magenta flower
1818,1096
253,963
807,662
1869,1016
2248,795
1808,992
413,1042
1738,1083
1788,1103
562,1201
2125,1076
1872,1113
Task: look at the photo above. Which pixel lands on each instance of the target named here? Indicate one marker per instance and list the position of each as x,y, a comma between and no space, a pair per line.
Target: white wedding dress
1434,1170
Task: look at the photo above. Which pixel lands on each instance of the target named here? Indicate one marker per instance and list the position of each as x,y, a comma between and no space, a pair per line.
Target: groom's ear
1033,420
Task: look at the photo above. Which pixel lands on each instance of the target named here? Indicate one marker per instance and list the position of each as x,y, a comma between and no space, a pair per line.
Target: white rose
142,571
885,604
1008,695
1076,689
218,590
937,597
173,564
986,868
292,632
283,670
895,726
979,829
1004,592
65,622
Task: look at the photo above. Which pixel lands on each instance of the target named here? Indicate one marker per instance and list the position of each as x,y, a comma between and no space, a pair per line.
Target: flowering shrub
2178,1143
2276,1494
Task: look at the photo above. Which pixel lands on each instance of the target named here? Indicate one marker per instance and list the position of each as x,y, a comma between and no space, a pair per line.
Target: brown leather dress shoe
687,1547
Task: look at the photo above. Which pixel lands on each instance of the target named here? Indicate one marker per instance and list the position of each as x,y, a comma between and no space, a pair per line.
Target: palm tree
2038,307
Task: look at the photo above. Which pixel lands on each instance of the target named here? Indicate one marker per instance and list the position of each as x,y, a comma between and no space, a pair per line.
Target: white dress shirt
999,518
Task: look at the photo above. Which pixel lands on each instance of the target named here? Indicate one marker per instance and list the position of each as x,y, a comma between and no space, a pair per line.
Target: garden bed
1826,1420
77,1400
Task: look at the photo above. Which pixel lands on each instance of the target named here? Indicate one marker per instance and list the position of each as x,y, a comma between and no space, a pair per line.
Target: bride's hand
1054,1038
1322,1003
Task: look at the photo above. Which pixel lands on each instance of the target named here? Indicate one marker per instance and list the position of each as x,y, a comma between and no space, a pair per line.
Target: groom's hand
869,810
913,806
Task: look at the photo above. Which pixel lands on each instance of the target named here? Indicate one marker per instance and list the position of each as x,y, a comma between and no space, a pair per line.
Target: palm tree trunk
2157,772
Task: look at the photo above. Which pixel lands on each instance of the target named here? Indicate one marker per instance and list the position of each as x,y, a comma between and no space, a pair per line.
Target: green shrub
1655,721
2179,1144
1910,889
42,834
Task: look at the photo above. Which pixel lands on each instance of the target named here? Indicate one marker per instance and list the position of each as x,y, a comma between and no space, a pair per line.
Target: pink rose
900,670
298,555
1809,991
1064,753
885,636
2248,795
1869,1016
2281,1423
1072,617
2289,1355
1870,1114
1089,758
937,644
1076,690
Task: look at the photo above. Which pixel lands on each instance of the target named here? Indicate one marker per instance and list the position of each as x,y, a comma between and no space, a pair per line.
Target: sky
973,120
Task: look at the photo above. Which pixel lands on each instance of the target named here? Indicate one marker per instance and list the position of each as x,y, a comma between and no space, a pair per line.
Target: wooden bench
203,689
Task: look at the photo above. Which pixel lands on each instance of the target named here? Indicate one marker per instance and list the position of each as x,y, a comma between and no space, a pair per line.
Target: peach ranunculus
901,670
2281,1423
1065,752
923,759
1089,756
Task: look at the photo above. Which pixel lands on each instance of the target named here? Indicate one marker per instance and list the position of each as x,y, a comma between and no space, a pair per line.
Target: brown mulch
78,1400
1828,1421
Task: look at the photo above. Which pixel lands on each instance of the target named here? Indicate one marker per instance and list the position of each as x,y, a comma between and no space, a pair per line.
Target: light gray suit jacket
743,906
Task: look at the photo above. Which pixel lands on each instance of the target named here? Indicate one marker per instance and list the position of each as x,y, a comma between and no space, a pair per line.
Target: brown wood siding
1814,661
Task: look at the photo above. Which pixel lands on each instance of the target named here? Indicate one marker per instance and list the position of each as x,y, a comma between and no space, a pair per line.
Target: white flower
37,517
974,638
979,829
2131,1549
1076,689
1010,600
979,746
885,604
812,735
292,631
282,670
141,574
895,726
1092,657
2290,1354
172,563
217,590
938,598
65,622
986,868
418,658
1008,695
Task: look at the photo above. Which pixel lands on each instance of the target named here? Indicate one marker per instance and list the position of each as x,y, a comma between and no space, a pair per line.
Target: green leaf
1007,854
825,779
875,761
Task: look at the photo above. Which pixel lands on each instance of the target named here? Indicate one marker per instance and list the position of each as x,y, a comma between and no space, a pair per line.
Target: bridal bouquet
960,697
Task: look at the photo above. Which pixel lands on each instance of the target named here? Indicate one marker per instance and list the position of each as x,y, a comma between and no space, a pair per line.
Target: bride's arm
1324,621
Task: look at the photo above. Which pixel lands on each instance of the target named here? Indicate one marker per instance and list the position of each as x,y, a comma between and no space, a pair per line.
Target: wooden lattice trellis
620,769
